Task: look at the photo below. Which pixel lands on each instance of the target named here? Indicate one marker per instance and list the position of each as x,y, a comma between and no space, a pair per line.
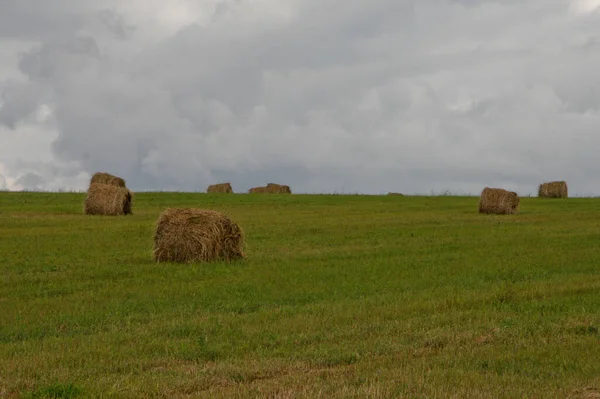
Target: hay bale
278,188
107,178
220,188
107,199
271,188
498,201
191,235
554,189
257,190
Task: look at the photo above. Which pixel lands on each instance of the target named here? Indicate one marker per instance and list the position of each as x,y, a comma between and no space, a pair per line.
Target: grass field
341,296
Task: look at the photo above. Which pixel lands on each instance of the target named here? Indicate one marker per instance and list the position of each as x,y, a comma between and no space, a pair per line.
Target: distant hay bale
271,188
257,190
196,235
220,188
402,195
107,178
107,199
554,189
278,189
498,201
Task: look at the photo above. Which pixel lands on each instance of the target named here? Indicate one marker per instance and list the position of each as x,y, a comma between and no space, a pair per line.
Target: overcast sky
345,96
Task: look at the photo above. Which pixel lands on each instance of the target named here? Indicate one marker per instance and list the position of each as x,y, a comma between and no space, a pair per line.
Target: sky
327,96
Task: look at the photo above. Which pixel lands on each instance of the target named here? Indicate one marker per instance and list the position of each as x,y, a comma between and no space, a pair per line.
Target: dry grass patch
586,393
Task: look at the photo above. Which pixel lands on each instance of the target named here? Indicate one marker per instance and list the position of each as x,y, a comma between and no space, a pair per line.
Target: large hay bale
220,188
107,178
271,188
499,201
554,189
107,199
196,235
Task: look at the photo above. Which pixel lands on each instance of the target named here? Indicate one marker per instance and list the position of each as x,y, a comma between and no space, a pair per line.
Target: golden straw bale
271,188
220,188
554,189
498,201
278,188
107,199
107,178
257,190
196,235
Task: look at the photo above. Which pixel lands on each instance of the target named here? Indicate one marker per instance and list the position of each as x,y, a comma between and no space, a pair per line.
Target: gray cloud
115,24
30,181
19,101
329,95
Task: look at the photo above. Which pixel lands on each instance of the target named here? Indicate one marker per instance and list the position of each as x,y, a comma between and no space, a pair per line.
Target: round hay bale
220,188
107,199
498,201
107,178
553,189
186,235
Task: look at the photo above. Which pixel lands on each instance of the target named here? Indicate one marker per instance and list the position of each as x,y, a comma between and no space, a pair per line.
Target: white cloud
6,181
584,6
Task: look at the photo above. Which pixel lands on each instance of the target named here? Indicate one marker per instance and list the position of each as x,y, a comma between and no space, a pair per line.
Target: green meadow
340,296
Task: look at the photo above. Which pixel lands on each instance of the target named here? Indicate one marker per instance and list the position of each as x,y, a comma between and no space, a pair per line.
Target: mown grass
341,296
